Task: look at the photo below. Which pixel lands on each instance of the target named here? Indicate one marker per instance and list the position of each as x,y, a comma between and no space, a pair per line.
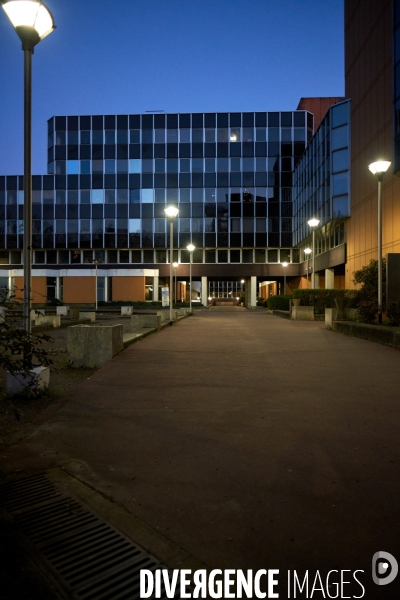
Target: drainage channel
90,559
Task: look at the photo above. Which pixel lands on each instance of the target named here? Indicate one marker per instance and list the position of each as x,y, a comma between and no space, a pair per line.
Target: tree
367,295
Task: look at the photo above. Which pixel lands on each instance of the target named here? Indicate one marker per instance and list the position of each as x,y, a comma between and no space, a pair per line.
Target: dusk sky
131,56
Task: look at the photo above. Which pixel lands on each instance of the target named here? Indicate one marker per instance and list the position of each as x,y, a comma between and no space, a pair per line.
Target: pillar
329,279
204,291
155,288
252,297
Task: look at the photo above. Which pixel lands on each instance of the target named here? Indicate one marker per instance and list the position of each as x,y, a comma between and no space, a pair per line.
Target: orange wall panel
79,290
39,289
128,288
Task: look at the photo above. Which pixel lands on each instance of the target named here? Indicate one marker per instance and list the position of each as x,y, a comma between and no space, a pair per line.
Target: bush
393,312
322,299
367,295
279,302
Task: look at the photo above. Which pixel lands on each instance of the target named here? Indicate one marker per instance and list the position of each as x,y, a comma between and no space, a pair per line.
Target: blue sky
173,55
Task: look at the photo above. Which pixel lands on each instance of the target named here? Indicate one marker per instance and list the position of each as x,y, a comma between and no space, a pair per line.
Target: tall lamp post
175,265
307,252
313,223
284,265
171,212
191,249
379,169
96,262
32,21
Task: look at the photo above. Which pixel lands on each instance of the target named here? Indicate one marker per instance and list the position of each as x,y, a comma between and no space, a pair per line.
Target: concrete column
204,291
155,288
252,297
329,279
316,280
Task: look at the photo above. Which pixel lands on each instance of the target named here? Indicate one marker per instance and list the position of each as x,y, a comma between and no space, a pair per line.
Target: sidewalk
248,440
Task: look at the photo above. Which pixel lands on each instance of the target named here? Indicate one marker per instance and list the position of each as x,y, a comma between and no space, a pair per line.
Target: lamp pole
307,252
96,262
171,212
379,169
32,22
191,249
175,265
284,265
313,223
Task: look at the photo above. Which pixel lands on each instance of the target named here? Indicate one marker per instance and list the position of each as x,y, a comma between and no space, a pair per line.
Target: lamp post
313,223
307,252
175,265
96,262
191,249
284,265
171,212
379,169
32,21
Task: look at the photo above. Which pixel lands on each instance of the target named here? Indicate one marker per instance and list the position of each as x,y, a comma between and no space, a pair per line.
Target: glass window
261,164
184,195
85,196
340,184
122,196
184,225
159,225
85,226
72,167
210,195
172,165
60,196
197,195
110,136
135,165
159,136
247,255
235,164
147,165
134,226
340,160
210,135
210,165
135,136
110,196
97,137
185,136
122,136
236,225
147,136
222,135
197,135
97,196
85,137
259,255
109,166
261,134
248,164
340,114
286,135
222,165
85,167
97,166
60,138
273,134
235,134
197,165
134,196
299,135
147,196
248,134
159,164
172,136
273,256
340,207
339,137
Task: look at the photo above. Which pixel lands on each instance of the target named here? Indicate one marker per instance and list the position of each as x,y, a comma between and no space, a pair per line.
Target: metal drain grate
91,559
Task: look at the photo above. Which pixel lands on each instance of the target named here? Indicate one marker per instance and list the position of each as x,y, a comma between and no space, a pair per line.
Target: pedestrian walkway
248,440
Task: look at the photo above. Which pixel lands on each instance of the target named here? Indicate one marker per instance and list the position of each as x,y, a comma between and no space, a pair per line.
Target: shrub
279,302
367,295
393,311
322,299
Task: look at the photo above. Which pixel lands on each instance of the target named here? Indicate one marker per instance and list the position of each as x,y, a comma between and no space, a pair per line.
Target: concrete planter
330,316
29,384
62,310
87,316
140,321
73,313
93,345
126,311
303,313
3,311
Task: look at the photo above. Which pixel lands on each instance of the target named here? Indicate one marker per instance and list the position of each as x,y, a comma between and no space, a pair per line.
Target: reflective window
159,136
109,166
197,135
97,137
134,136
248,134
85,137
340,137
97,196
85,167
197,165
147,196
72,167
185,136
210,135
261,134
172,136
235,134
340,160
222,135
135,165
110,136
134,226
159,164
340,183
210,165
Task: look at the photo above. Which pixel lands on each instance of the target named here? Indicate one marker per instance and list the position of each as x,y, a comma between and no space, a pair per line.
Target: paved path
248,440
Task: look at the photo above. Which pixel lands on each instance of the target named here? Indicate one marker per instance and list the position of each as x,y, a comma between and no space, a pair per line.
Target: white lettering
334,585
343,582
215,588
170,587
272,582
305,583
158,583
359,583
317,589
257,591
228,583
146,583
243,584
200,581
185,581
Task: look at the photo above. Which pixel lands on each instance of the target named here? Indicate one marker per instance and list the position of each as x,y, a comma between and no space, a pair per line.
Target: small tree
367,295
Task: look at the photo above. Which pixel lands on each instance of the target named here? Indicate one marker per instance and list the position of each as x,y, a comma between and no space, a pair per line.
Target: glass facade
111,176
321,179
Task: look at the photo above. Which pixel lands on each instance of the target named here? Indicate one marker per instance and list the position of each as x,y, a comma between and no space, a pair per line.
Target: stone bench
126,311
87,316
303,313
62,310
93,345
43,320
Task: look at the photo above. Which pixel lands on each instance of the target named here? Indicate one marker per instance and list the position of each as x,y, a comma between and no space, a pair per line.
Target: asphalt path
250,441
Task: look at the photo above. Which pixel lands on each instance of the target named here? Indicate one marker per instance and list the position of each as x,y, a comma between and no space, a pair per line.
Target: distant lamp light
191,248
233,137
175,265
379,169
284,264
307,250
313,222
171,211
380,166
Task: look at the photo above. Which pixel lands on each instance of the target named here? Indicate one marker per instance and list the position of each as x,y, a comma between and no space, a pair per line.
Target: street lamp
171,212
313,223
284,265
175,265
191,249
32,21
379,169
96,262
307,252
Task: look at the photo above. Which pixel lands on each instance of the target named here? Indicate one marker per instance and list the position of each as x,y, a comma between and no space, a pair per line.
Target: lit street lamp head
313,222
171,211
175,265
379,168
307,250
284,265
190,247
31,19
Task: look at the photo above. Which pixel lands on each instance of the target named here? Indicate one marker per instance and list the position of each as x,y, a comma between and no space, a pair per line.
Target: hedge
322,299
279,302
